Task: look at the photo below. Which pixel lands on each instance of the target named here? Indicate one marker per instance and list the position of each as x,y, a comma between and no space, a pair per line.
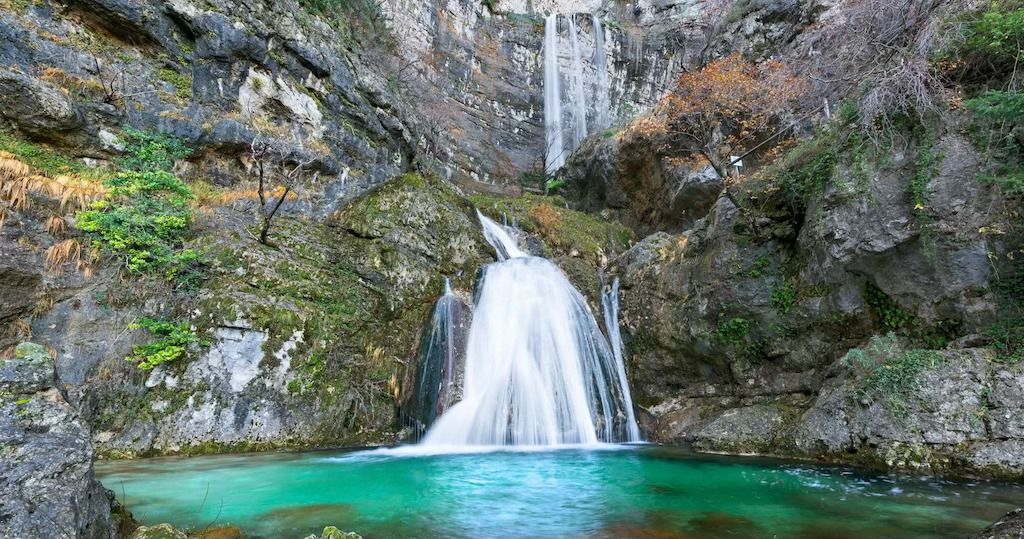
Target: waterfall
439,367
538,370
579,100
554,153
610,308
556,148
602,103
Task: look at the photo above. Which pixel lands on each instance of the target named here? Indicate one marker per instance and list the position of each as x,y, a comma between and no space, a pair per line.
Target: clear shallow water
642,492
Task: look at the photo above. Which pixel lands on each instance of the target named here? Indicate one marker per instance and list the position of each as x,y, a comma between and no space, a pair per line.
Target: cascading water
538,371
610,308
602,101
440,366
554,152
579,100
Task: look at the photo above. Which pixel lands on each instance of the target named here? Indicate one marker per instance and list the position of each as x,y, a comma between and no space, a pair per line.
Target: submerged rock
1010,526
159,531
46,472
330,532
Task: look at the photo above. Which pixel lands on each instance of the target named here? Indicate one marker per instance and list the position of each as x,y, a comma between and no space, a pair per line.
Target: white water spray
538,370
554,152
579,99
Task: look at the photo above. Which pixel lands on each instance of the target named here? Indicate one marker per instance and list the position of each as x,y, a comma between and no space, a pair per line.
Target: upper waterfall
576,120
538,370
554,152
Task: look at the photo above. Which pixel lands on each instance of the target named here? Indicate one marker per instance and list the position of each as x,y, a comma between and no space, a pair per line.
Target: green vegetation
758,268
784,297
181,82
888,373
991,45
151,151
893,318
172,341
806,169
44,159
999,116
732,332
562,230
144,215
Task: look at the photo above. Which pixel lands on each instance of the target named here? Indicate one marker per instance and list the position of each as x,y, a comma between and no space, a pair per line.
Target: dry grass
18,182
56,225
69,251
546,218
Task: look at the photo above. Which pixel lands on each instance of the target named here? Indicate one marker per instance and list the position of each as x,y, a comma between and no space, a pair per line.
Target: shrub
991,44
998,118
151,151
144,216
888,373
173,340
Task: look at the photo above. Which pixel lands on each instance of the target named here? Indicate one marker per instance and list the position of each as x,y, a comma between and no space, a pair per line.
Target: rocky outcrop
46,469
1010,526
738,326
215,74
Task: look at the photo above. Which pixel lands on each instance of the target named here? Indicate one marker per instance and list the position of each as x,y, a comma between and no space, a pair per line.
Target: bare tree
886,47
278,178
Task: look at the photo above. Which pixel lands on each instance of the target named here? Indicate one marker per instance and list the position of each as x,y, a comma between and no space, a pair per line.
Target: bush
991,45
998,118
170,346
151,151
144,218
144,215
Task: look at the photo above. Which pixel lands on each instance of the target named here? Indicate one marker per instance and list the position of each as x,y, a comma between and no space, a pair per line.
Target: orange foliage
546,219
726,108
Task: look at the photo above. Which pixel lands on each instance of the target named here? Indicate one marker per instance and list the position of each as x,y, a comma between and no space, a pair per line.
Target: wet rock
159,531
46,469
1011,526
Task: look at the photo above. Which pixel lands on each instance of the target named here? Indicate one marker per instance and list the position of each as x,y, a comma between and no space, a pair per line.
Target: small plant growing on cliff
171,344
889,373
278,177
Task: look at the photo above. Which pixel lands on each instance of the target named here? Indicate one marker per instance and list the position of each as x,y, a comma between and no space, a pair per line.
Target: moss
181,82
562,231
46,159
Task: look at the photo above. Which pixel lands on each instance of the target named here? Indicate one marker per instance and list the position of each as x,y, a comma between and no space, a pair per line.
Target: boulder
46,471
36,107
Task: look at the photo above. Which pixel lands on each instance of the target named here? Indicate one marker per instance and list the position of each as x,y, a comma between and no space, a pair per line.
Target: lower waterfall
538,370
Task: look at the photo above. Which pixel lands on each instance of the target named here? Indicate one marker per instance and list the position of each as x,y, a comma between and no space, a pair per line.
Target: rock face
46,457
737,326
302,345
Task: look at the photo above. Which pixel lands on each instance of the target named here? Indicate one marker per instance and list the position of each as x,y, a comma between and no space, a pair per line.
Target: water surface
640,492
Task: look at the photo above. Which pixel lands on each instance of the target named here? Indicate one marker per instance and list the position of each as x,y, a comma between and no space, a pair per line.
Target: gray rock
36,107
46,471
31,370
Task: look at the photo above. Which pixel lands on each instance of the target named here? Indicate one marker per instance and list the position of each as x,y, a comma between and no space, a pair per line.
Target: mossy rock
563,231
